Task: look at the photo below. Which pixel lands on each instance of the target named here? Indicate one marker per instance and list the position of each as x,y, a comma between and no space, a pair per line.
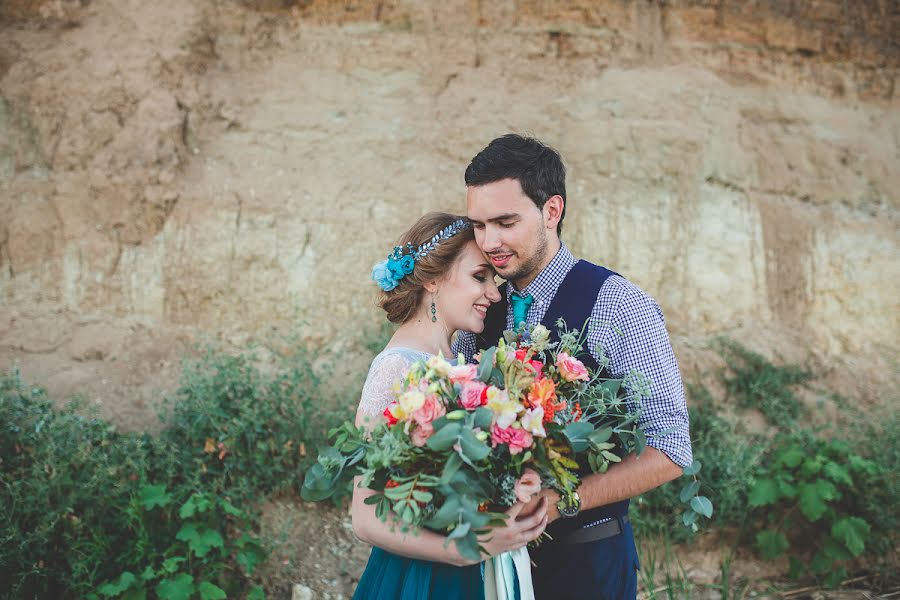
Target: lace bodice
386,369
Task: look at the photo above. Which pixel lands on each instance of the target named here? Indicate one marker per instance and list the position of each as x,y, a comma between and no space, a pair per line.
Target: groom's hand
518,530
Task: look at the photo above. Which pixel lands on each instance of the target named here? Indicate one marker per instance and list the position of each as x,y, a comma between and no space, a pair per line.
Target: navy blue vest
573,302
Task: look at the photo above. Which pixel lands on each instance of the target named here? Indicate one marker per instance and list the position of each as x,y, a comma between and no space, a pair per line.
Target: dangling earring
433,310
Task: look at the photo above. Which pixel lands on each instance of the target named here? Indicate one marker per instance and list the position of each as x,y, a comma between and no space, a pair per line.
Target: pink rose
421,434
528,486
429,411
472,395
463,374
516,438
571,368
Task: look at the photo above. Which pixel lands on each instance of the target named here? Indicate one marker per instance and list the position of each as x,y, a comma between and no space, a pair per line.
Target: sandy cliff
174,167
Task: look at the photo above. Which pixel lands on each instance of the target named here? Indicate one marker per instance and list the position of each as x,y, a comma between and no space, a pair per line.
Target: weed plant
88,512
821,497
757,383
730,459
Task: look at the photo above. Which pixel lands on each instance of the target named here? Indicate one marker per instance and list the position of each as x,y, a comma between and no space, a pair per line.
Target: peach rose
463,374
472,395
430,410
570,368
421,434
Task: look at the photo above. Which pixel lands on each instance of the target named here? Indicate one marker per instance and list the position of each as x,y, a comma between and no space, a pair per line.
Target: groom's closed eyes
507,220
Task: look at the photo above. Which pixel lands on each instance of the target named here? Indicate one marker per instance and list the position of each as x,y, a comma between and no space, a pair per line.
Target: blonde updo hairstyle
402,302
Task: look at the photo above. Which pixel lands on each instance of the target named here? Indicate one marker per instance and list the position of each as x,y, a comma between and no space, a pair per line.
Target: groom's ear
553,210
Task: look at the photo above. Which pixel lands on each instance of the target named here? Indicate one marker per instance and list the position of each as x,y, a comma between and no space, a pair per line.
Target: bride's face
464,295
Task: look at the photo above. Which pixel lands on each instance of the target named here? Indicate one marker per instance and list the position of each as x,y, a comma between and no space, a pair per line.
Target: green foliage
66,482
807,495
90,512
729,458
757,383
242,429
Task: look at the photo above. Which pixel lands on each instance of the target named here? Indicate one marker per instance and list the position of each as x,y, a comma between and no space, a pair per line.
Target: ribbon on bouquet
507,576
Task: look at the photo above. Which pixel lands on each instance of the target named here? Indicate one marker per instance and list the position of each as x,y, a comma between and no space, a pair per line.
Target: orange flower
210,446
543,393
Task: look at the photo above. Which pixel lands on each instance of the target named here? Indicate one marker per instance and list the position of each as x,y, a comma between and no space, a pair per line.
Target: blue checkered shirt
636,339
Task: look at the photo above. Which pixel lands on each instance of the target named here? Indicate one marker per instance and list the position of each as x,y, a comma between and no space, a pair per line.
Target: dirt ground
316,555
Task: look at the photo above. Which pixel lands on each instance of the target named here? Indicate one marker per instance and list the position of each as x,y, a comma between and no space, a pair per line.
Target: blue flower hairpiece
402,260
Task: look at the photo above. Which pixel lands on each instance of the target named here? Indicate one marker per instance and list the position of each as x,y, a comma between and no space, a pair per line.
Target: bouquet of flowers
456,446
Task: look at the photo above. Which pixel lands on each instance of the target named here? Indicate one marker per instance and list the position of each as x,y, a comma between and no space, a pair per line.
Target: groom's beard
532,263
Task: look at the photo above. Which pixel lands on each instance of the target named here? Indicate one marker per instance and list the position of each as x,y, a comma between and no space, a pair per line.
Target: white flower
505,410
439,366
533,421
540,338
411,401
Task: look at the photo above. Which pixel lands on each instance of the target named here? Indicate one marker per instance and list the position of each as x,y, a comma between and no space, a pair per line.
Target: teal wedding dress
389,576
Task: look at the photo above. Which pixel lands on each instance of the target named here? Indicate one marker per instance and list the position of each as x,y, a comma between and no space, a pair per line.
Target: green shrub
89,512
233,427
809,495
757,383
65,482
729,458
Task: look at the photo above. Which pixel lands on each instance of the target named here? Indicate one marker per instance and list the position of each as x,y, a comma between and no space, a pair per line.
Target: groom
516,201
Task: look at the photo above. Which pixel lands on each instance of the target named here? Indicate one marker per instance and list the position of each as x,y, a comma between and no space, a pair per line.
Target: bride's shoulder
392,360
387,368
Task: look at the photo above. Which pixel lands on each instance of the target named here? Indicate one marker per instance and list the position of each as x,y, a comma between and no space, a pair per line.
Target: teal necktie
520,305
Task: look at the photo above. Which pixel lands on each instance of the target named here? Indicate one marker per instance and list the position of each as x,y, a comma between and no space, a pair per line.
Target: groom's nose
492,239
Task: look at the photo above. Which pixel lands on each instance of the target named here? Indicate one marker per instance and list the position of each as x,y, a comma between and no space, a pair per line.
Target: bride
438,283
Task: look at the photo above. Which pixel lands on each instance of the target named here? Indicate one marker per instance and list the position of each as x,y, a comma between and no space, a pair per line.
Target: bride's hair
402,302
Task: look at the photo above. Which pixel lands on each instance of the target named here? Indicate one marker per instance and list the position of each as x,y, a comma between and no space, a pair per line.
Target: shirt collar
548,281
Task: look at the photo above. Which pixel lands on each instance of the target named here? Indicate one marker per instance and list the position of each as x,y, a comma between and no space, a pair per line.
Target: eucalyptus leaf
459,531
444,438
702,505
689,491
486,364
483,418
693,468
601,435
577,433
471,447
446,514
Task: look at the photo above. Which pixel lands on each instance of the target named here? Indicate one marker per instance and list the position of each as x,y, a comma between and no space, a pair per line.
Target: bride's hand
518,530
528,491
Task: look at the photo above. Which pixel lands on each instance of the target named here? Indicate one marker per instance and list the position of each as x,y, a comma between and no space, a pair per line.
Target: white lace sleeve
378,391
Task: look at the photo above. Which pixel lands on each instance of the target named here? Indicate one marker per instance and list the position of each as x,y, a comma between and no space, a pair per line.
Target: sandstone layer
176,169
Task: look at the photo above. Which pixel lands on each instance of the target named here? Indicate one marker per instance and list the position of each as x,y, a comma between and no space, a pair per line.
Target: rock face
234,166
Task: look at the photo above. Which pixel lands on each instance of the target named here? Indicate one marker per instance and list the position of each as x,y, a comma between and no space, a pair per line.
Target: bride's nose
493,293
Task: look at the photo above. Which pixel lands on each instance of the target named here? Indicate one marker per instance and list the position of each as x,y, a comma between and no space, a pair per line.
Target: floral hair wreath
402,260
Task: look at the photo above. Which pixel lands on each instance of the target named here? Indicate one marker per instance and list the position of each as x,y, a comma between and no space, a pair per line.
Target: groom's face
509,228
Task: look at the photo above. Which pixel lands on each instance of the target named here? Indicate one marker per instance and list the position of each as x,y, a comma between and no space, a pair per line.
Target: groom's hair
536,166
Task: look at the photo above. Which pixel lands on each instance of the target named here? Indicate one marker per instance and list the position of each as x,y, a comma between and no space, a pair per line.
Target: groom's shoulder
618,290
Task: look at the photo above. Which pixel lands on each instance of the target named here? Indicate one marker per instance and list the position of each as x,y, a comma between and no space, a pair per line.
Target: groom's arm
635,339
631,477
